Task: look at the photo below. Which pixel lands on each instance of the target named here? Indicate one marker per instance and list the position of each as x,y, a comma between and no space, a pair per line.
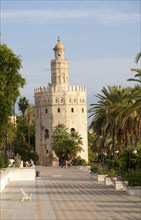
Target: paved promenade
67,194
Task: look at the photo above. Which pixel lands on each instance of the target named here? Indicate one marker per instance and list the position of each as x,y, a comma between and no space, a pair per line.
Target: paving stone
67,194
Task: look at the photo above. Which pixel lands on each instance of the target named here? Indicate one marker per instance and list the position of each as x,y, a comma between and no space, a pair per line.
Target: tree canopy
10,82
117,117
66,146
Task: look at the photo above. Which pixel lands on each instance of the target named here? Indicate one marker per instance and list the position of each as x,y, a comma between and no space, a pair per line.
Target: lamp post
5,148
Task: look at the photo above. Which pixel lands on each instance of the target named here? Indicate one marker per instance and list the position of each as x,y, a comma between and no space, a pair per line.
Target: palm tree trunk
139,129
29,128
113,140
23,122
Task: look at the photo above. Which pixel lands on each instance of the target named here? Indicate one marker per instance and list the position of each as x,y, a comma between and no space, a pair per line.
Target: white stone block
100,177
121,185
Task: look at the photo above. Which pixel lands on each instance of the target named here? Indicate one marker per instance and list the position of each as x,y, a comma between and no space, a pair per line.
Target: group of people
65,163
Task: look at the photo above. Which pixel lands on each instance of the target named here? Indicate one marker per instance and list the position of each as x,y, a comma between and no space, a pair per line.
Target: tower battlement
70,88
76,88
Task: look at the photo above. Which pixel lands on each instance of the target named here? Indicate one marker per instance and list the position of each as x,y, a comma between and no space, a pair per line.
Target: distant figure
31,163
68,163
62,163
27,164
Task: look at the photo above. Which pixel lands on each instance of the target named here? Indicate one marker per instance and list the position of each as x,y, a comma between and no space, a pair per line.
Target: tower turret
59,50
59,66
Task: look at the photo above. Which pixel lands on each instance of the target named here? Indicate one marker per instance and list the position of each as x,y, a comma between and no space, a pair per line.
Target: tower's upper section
59,67
59,50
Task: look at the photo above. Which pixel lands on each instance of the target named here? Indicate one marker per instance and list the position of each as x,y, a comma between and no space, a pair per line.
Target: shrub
4,162
112,173
79,161
17,160
98,168
133,177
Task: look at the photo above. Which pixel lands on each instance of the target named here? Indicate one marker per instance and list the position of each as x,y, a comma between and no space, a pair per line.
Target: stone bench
4,178
85,168
98,177
121,185
117,182
110,181
16,174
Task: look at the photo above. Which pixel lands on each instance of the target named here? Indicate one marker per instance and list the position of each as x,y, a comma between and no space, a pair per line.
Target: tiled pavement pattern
68,194
74,195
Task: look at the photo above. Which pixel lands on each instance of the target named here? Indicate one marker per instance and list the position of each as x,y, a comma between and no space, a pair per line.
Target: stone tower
57,103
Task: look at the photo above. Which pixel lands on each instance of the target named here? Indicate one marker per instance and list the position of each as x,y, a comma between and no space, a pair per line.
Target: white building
57,103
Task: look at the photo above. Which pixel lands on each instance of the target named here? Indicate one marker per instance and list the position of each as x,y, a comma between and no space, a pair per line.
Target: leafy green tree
10,82
66,146
23,147
91,154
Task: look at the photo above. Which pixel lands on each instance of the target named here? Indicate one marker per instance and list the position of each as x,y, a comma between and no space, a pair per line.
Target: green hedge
4,161
133,177
98,168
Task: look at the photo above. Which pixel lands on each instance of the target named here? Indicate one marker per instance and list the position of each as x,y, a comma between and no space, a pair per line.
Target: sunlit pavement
67,194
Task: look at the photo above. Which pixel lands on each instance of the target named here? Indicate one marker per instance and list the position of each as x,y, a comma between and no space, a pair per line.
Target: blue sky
101,40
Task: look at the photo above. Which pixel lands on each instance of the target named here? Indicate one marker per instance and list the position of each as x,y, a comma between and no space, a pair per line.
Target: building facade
59,103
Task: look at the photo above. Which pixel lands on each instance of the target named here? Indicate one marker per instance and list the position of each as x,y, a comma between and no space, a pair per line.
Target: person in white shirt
31,163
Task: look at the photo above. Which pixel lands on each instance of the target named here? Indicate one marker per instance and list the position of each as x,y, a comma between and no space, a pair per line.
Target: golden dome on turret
58,46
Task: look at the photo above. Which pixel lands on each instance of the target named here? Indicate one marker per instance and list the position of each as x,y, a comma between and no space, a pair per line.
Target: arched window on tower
72,130
62,101
46,134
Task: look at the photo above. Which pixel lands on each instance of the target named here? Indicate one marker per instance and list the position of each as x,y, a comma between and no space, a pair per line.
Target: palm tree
133,114
65,145
75,145
30,119
138,57
108,114
136,70
23,105
135,109
59,138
